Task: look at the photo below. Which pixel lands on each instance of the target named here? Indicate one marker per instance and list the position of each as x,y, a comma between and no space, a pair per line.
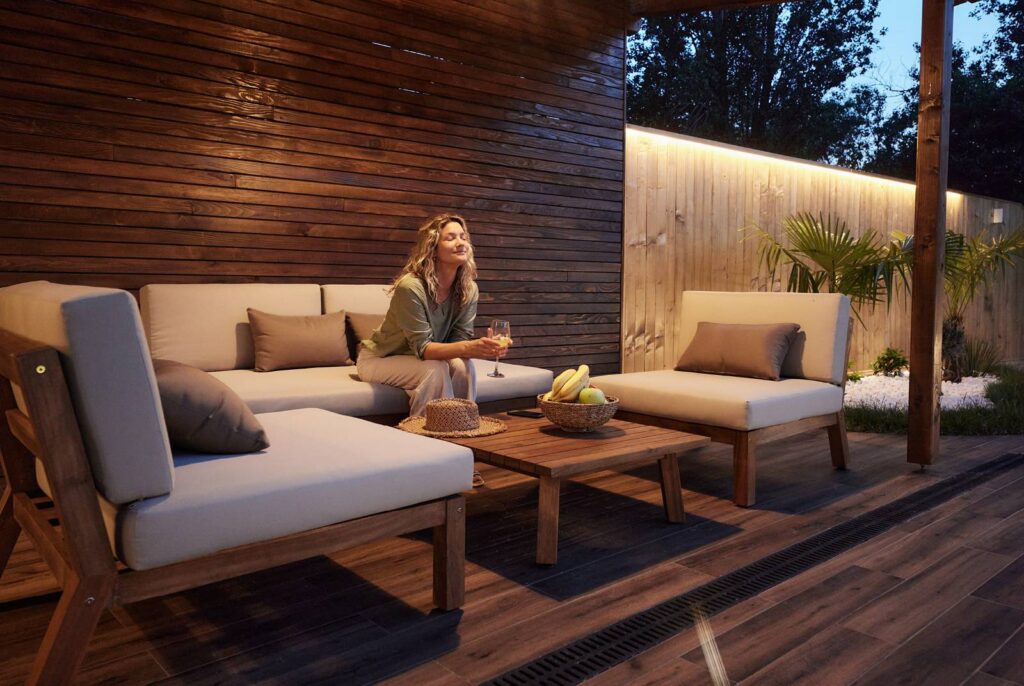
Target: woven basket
577,417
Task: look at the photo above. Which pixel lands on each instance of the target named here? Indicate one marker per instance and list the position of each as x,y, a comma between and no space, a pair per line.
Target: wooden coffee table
537,447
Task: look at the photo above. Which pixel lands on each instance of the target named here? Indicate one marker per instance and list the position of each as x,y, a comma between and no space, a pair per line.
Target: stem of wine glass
496,358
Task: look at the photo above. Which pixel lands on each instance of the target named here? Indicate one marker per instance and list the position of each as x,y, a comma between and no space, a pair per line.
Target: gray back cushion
105,359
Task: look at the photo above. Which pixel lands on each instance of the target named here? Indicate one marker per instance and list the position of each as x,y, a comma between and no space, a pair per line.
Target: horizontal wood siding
304,141
688,201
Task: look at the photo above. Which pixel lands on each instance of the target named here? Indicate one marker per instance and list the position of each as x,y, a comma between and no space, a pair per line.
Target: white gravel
892,392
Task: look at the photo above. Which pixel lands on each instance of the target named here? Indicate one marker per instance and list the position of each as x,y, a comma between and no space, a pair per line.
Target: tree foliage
772,78
986,116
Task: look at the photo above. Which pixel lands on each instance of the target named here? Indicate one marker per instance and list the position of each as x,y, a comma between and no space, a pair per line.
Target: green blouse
414,320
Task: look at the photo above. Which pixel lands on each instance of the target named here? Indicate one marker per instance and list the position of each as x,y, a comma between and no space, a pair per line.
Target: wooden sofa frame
744,443
76,547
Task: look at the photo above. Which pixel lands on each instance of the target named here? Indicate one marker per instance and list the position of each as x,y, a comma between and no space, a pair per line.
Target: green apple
592,396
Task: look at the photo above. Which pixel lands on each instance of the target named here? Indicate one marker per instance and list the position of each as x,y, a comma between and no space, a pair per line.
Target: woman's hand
484,348
505,346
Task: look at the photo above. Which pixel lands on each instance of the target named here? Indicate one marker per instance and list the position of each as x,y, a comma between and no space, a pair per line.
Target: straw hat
452,418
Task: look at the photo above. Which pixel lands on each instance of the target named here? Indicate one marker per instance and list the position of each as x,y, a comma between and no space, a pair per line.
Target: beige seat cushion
339,389
321,468
733,402
521,381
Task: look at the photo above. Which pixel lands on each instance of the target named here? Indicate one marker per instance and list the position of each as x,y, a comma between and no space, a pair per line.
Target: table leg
671,489
547,521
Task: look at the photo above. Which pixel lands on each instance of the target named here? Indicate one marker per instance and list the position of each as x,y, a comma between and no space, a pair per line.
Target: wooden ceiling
644,7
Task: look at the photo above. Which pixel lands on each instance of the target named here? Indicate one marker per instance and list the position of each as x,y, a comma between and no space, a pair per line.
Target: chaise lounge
130,519
746,412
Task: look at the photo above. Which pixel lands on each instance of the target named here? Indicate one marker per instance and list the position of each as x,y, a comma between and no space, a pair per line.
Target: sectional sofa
81,419
206,326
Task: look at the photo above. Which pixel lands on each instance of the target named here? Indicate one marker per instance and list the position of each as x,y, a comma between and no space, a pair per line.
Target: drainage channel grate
618,642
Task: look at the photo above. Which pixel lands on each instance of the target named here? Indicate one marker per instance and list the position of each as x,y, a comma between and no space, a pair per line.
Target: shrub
980,357
852,375
891,362
1009,390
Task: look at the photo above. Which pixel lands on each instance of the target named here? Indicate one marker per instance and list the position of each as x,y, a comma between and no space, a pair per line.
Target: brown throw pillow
287,342
203,415
363,325
360,327
754,350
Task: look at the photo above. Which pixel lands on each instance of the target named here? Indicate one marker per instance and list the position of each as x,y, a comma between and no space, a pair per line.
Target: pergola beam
929,232
648,7
643,7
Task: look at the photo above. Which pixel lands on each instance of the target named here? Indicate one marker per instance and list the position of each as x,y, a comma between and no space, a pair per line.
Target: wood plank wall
304,140
687,201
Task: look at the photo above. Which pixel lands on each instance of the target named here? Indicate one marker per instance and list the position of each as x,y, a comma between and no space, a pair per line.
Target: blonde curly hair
422,260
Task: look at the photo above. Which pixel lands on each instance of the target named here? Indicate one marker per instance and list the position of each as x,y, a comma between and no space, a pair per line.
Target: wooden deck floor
937,600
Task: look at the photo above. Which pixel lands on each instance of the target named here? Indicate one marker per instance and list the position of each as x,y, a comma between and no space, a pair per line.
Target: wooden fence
686,206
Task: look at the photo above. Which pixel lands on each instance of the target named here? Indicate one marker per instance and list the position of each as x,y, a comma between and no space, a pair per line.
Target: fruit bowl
577,417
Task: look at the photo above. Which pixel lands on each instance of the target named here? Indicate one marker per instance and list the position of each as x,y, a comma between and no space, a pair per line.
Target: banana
570,391
558,383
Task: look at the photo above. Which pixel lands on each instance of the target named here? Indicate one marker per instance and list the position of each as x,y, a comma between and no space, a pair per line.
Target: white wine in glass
502,333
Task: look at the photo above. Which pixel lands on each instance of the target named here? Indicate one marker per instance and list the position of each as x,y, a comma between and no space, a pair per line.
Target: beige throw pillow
754,350
287,342
202,414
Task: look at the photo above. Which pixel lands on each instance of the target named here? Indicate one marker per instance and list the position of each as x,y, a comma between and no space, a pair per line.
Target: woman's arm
481,348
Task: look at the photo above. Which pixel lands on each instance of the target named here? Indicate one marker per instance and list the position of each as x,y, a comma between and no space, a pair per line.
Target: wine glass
501,332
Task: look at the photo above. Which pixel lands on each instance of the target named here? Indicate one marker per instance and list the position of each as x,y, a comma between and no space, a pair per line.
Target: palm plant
967,270
970,263
975,265
823,255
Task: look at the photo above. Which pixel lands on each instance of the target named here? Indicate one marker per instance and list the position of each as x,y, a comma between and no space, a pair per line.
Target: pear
592,396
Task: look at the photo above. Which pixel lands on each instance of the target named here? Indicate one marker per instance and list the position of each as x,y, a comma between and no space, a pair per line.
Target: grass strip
1006,417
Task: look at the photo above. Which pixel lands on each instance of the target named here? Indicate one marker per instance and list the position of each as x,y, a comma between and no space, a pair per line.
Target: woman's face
453,245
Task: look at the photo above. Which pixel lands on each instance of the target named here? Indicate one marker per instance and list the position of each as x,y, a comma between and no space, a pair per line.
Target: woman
426,339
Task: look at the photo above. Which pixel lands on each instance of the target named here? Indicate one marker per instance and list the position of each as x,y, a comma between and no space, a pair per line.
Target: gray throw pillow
754,350
288,342
203,415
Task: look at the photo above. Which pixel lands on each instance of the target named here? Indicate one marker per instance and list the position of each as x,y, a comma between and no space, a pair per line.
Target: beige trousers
423,380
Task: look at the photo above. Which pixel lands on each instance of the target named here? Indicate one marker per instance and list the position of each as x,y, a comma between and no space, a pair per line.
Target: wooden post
929,232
